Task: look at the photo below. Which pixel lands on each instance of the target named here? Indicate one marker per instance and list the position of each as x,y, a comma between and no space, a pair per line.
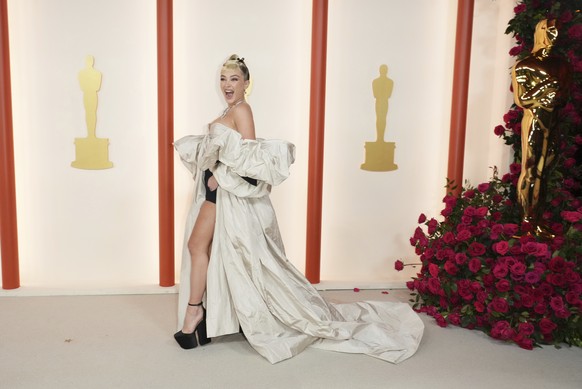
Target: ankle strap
195,305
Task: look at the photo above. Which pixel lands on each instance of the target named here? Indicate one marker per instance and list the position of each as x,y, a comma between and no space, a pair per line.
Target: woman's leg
199,247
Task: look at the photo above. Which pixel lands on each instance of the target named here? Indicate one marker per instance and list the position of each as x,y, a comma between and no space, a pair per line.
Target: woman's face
233,85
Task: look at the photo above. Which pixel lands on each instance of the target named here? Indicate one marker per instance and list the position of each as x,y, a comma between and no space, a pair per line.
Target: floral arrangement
480,269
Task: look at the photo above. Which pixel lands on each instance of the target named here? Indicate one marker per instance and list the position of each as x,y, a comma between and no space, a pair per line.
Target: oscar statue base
92,154
379,157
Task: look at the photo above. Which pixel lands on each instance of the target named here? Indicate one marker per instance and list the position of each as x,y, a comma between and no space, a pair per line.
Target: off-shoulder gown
250,281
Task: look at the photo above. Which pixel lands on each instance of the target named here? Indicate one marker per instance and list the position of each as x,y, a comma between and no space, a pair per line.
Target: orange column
165,139
460,92
316,134
8,230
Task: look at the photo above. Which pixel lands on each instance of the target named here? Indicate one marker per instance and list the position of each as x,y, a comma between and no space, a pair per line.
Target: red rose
440,320
557,264
499,130
483,187
432,226
557,303
575,32
469,194
451,268
510,229
421,218
571,216
500,330
481,211
479,307
520,8
572,298
500,270
476,249
503,285
410,285
398,265
532,277
526,328
499,304
460,258
433,270
501,247
547,326
449,238
518,269
475,265
434,285
455,319
464,235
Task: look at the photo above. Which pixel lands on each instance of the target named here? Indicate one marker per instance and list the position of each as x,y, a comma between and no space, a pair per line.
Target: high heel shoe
188,341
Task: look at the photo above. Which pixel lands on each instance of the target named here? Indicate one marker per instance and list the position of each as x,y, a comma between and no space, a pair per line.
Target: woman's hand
212,183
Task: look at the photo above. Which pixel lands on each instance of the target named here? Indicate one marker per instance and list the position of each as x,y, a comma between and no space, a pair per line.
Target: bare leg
199,247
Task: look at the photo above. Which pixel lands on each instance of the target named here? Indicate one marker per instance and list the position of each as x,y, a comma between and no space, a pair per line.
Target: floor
125,341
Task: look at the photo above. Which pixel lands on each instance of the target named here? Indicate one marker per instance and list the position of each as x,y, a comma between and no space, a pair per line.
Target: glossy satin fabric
250,280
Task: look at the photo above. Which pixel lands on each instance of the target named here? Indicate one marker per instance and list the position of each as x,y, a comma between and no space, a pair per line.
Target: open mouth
228,94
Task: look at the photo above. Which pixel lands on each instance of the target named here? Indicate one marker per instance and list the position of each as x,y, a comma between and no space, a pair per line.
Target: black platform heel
188,341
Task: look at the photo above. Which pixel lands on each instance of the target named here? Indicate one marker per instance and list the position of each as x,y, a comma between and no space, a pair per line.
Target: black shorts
211,194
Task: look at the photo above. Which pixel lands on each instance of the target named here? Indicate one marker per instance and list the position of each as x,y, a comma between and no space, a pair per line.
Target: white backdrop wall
98,229
369,216
82,228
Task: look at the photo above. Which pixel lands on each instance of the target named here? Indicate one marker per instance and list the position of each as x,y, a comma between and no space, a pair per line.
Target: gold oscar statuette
380,154
91,153
541,83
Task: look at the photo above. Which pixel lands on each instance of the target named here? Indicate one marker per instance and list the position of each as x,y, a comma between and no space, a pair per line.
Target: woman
235,251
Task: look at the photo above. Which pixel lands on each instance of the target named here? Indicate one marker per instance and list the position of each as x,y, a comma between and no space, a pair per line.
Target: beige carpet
125,341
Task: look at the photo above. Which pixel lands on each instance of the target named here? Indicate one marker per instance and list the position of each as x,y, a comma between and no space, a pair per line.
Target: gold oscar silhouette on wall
380,154
91,152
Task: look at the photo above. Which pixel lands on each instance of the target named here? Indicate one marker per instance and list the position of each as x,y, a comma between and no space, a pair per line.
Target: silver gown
250,281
